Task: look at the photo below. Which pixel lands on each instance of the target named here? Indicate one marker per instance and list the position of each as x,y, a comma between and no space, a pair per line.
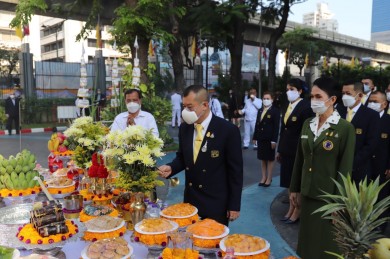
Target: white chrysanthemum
143,150
148,161
157,152
73,132
79,122
130,158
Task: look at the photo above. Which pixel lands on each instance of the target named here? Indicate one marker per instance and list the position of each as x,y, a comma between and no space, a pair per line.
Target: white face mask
366,88
12,96
348,100
375,106
292,95
190,117
388,96
318,107
133,107
267,102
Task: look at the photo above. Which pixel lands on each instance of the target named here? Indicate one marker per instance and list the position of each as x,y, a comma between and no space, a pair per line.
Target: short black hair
198,90
328,85
270,93
296,82
133,90
357,86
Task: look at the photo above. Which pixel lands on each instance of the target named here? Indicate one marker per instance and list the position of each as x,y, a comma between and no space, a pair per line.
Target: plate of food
208,229
59,182
104,224
108,248
97,210
179,211
244,245
155,226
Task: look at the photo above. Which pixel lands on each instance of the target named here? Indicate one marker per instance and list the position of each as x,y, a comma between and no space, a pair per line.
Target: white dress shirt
144,119
251,108
215,107
176,101
334,119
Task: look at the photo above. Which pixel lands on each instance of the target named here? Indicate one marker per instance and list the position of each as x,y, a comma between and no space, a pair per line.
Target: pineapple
354,212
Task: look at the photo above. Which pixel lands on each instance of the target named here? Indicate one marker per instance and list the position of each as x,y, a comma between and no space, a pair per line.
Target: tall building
380,21
322,18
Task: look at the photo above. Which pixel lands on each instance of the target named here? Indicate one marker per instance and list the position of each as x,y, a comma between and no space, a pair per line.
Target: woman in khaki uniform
326,148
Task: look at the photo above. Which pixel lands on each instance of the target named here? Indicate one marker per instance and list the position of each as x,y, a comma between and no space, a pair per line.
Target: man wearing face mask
12,113
210,153
252,105
368,88
134,115
366,123
381,157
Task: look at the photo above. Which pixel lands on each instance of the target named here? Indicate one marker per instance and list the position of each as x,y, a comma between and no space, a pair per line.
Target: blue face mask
366,88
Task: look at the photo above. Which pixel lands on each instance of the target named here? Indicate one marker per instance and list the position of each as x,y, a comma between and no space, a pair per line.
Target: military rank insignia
327,145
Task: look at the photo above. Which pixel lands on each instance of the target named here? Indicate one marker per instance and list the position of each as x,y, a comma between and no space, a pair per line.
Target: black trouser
15,119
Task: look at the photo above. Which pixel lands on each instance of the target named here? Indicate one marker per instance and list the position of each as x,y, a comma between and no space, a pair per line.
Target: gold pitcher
137,207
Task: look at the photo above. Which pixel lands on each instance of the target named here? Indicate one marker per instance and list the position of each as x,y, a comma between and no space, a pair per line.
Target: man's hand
273,145
387,174
130,120
254,142
232,215
240,112
165,171
252,97
278,157
7,115
295,198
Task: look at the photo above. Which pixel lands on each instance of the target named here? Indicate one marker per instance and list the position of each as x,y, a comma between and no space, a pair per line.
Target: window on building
92,43
49,30
52,46
8,35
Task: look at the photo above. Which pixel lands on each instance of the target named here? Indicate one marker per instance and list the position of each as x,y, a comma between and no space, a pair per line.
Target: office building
321,19
380,21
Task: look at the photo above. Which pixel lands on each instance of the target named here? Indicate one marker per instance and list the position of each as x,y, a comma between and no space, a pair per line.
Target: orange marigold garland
206,243
159,239
92,236
29,235
167,253
16,193
62,190
264,255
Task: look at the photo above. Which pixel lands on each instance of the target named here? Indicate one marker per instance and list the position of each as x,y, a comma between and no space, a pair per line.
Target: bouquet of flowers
85,137
133,153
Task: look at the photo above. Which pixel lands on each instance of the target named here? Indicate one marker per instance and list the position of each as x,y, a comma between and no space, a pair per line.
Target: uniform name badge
359,131
327,145
384,135
294,118
214,153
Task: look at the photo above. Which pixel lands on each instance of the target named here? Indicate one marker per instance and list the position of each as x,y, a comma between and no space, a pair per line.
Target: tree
223,26
300,46
276,11
9,60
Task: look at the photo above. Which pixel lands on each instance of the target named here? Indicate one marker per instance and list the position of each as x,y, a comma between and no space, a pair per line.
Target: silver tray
11,218
15,214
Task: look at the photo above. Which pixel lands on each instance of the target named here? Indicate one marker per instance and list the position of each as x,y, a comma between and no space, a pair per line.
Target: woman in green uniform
326,148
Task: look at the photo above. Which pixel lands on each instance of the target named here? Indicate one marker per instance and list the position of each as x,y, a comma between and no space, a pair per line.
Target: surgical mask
190,117
267,102
388,96
133,107
12,96
318,107
366,88
292,95
348,100
375,106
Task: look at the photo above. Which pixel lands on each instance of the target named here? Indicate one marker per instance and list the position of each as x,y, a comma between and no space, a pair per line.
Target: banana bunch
56,142
17,172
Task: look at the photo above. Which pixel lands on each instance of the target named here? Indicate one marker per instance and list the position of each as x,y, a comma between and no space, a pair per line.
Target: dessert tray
178,211
265,245
139,228
113,247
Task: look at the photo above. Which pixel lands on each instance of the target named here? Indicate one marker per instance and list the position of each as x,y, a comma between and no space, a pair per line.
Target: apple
380,249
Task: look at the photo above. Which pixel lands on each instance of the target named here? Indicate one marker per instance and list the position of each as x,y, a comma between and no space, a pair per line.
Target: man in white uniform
176,108
215,106
134,115
252,105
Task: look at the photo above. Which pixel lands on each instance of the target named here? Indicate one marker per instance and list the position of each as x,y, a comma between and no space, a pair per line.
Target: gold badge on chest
327,145
294,118
269,116
359,131
214,153
384,135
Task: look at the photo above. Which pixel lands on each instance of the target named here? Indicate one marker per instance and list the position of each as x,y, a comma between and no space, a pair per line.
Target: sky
353,16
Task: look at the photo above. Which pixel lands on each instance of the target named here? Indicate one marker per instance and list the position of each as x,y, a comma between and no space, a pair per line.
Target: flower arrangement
84,137
133,153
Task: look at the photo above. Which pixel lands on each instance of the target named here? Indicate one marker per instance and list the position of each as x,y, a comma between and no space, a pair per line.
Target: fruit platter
16,175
